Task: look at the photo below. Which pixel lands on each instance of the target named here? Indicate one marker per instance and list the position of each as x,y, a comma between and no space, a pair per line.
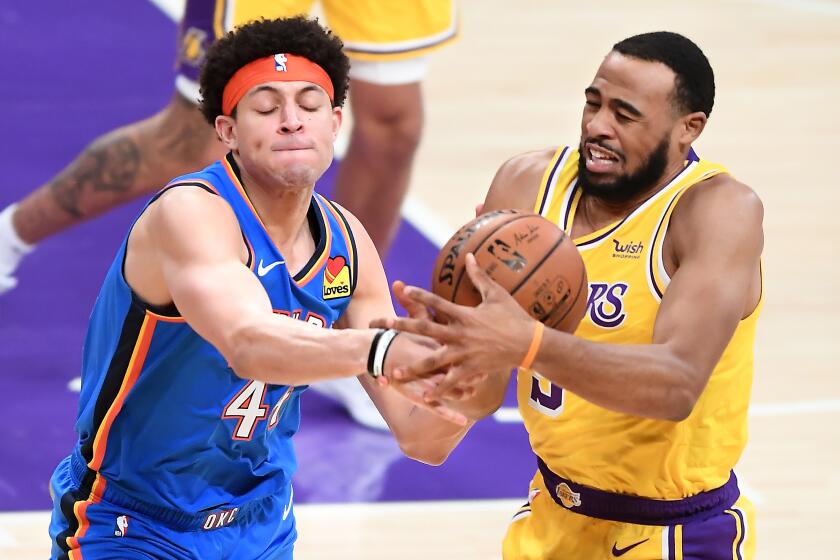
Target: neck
599,212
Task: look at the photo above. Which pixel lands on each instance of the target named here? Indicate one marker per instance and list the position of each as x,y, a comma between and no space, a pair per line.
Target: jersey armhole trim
351,243
169,312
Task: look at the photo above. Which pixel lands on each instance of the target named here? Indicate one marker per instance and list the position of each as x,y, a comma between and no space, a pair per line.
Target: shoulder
517,181
189,215
721,197
190,202
721,210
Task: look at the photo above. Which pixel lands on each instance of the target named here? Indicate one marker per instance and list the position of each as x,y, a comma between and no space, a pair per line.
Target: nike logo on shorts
288,507
622,551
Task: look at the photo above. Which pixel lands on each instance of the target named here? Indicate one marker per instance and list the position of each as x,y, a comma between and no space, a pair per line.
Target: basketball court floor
514,82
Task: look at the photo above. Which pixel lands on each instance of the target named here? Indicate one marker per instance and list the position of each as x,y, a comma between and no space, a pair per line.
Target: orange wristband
534,347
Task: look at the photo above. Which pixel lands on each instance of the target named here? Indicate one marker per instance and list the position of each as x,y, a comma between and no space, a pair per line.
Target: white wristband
381,350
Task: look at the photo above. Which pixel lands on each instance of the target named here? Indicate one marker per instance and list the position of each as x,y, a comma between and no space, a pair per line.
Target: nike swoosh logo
263,270
288,507
622,551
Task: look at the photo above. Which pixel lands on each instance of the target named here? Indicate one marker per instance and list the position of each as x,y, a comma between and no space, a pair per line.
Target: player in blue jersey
216,314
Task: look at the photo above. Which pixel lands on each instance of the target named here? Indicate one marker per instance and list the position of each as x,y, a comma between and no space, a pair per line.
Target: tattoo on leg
109,166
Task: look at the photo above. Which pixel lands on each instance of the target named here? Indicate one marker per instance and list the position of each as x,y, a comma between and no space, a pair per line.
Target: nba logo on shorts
122,526
280,62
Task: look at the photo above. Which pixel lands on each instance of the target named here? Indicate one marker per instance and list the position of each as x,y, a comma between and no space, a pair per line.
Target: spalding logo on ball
532,258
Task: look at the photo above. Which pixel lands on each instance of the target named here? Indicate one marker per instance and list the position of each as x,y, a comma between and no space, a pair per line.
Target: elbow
431,451
678,412
680,404
425,452
681,392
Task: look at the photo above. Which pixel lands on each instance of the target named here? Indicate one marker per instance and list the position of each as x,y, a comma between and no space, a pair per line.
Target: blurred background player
388,43
637,422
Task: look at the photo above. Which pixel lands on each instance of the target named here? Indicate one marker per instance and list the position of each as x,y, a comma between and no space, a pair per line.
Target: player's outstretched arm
426,431
187,248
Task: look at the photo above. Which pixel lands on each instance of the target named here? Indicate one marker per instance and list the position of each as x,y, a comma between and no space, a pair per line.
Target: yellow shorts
544,530
370,29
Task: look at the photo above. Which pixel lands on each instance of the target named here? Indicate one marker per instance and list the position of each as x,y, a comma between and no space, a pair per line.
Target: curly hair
694,85
298,35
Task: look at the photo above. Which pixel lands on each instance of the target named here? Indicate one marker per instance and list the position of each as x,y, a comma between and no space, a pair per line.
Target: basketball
532,258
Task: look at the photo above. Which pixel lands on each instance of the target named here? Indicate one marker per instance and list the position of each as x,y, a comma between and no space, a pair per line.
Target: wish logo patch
336,278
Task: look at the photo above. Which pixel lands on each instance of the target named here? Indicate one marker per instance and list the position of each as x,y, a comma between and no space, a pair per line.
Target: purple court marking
81,70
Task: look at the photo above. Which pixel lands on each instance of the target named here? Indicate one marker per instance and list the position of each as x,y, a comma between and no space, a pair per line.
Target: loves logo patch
336,278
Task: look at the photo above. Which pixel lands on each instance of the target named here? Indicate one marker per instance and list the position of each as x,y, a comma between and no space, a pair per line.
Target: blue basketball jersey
162,417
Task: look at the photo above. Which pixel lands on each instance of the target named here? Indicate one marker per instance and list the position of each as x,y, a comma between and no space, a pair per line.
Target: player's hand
474,340
409,348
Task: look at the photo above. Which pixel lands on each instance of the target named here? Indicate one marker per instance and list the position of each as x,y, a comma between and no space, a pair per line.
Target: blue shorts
95,528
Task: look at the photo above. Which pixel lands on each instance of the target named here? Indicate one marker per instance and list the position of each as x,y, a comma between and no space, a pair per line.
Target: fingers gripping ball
533,259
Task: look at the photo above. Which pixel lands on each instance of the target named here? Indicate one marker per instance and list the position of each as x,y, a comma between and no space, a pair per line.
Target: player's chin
296,175
295,159
600,178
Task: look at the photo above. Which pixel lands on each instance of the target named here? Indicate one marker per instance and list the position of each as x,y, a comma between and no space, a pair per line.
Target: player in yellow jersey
637,419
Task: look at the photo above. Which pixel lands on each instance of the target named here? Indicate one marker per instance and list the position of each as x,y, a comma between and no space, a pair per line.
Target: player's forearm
288,352
487,399
429,439
423,436
644,380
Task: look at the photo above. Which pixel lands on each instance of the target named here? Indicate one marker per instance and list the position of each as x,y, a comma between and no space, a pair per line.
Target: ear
226,129
692,126
337,119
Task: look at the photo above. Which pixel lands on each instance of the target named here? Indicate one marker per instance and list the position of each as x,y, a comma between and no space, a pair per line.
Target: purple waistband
637,509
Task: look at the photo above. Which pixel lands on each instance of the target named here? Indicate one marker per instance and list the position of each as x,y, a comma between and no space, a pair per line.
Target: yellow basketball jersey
616,452
370,29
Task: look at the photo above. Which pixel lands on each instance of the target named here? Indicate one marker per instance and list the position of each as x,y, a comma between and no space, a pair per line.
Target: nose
599,125
290,120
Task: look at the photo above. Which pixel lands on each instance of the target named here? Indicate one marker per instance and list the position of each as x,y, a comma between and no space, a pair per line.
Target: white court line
753,495
795,408
7,540
508,415
174,9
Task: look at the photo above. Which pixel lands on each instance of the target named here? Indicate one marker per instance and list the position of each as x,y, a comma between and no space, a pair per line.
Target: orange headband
276,68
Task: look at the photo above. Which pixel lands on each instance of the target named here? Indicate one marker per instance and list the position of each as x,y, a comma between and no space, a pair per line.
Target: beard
628,186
